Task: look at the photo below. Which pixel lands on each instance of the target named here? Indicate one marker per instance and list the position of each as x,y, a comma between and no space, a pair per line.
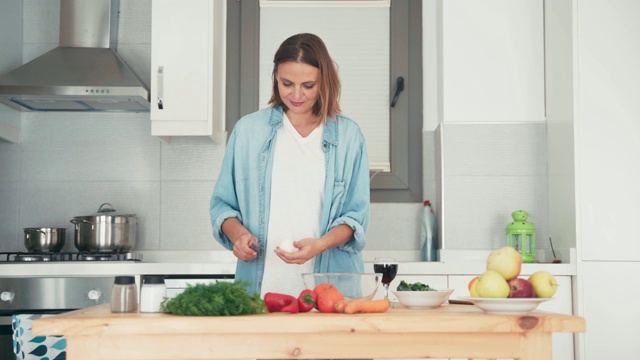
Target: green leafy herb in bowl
417,286
420,296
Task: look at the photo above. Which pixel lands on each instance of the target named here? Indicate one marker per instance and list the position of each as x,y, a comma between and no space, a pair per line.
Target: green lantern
521,235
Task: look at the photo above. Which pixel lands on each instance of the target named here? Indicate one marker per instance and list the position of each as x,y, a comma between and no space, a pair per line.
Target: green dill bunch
219,299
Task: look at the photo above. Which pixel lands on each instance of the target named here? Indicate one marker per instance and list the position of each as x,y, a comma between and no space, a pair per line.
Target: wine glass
388,267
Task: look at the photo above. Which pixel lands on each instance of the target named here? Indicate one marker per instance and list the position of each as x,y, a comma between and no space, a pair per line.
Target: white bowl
506,306
353,286
423,299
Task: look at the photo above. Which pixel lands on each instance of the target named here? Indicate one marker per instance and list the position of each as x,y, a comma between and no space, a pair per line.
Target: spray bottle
429,234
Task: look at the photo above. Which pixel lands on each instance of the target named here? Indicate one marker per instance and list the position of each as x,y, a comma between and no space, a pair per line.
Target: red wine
388,271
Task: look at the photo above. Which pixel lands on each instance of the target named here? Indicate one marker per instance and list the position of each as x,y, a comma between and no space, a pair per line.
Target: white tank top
297,188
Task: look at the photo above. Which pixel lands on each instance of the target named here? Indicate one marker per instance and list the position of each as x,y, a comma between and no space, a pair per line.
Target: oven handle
6,321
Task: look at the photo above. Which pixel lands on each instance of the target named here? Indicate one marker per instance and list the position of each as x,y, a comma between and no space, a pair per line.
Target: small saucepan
44,239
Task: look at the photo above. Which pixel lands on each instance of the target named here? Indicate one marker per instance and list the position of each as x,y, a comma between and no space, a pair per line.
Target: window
403,183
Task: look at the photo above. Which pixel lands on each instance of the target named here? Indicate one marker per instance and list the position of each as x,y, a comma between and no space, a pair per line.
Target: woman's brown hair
310,49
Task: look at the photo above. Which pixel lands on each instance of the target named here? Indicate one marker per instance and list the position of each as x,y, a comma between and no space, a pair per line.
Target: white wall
491,170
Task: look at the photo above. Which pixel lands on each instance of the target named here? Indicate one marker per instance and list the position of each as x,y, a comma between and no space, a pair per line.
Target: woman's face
298,85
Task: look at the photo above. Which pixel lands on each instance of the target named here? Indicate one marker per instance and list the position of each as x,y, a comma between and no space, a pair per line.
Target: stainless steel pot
105,231
44,239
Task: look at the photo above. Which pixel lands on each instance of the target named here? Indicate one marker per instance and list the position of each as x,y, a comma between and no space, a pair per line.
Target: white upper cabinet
11,45
492,62
188,52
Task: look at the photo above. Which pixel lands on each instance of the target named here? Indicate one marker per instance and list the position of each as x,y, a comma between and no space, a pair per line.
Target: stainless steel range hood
83,73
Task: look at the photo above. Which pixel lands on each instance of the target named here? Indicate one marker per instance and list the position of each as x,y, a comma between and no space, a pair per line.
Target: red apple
472,286
520,288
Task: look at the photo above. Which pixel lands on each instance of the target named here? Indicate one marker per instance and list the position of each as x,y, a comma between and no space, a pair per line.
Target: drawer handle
160,87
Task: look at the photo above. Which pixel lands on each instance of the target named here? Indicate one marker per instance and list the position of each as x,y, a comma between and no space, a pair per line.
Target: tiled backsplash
67,164
489,171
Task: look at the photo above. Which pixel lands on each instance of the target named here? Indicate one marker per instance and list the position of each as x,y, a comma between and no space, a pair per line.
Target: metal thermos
124,297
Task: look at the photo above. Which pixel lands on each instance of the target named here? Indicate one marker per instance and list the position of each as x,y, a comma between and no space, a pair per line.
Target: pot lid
106,210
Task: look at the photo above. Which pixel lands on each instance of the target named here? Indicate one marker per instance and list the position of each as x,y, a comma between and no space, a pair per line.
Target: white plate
508,306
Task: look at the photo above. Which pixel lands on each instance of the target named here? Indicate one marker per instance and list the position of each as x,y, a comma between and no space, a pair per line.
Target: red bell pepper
276,302
307,300
292,307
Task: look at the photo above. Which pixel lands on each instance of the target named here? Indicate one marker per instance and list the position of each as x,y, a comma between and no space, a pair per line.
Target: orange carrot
367,306
341,305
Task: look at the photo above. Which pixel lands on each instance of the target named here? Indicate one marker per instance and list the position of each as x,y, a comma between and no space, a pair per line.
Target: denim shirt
243,190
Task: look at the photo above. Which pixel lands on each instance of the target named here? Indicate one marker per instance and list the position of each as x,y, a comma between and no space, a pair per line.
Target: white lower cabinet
610,307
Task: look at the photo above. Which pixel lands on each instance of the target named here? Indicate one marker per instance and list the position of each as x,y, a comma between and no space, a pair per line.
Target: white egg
287,245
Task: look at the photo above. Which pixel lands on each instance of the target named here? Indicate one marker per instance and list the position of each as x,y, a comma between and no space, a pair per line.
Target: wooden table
461,331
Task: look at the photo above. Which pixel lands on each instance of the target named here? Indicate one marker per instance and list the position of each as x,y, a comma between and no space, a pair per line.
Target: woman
296,170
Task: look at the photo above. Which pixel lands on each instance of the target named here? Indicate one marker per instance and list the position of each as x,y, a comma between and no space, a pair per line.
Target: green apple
506,261
492,285
544,284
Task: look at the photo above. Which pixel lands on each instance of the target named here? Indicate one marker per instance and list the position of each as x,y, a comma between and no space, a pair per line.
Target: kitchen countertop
445,331
223,263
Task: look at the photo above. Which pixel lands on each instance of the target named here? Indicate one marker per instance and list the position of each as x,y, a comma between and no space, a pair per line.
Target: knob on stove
94,294
6,295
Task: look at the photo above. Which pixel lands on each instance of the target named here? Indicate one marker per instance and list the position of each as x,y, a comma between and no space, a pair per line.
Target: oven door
25,299
6,338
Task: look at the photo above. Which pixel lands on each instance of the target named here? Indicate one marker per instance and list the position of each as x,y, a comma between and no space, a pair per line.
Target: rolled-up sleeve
224,200
356,202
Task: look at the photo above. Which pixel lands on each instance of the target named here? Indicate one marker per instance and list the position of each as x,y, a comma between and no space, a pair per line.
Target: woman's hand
307,248
245,247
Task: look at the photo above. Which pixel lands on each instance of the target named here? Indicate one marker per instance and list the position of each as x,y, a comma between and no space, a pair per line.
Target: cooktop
29,257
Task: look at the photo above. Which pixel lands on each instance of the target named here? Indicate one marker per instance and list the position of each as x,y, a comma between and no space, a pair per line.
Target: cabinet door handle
399,89
160,87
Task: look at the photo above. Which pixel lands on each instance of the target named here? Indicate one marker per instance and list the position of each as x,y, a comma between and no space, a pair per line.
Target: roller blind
357,36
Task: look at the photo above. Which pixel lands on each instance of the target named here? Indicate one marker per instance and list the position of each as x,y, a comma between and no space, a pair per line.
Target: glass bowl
423,299
353,286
